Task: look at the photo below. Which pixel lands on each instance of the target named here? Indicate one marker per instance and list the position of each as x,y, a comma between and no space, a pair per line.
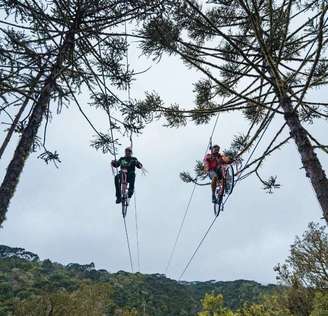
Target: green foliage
305,271
162,35
254,112
307,264
212,305
270,305
33,287
320,304
29,286
88,299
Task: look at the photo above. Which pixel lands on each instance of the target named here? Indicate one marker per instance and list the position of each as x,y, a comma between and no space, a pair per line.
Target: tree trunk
309,158
18,115
25,144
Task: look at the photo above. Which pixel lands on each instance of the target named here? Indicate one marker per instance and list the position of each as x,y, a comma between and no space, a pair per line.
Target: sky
69,214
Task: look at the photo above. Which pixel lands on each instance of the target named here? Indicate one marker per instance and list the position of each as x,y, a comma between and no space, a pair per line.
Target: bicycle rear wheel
124,206
216,209
229,180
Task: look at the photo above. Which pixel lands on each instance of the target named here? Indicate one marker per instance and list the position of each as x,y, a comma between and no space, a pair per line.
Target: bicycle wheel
124,194
219,193
216,209
124,207
229,180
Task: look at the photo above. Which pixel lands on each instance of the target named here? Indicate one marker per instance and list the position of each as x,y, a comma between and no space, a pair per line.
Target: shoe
118,200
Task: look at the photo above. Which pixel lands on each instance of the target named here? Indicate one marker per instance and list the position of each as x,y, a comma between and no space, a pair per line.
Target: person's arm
206,163
226,159
138,164
116,163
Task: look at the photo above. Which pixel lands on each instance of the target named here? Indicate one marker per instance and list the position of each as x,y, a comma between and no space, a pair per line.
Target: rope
137,229
214,220
197,248
108,114
180,229
128,242
115,157
127,70
191,197
254,149
131,145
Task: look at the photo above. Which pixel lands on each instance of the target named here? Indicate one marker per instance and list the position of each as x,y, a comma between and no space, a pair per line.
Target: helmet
128,149
216,148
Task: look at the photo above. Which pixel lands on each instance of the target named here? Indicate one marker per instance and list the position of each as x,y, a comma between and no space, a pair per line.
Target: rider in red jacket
212,163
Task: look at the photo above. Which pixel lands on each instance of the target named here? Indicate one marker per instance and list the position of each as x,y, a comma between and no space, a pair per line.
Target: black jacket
129,163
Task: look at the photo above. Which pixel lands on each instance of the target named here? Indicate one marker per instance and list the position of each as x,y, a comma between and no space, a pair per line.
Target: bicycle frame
224,186
124,191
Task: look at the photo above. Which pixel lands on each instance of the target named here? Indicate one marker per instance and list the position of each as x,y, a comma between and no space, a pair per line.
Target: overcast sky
69,214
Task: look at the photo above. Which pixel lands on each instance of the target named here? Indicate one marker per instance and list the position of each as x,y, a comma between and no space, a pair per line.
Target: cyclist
129,163
212,165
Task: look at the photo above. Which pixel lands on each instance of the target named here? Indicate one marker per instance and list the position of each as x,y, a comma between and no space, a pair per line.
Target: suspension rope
180,229
115,157
209,145
137,230
128,242
225,201
197,248
254,149
108,113
131,145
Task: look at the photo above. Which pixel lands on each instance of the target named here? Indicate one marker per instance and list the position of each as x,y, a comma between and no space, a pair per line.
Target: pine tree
49,52
259,57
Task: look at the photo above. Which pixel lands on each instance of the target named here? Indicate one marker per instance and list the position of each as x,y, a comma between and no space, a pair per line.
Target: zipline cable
115,157
137,230
106,108
131,145
197,248
225,201
128,242
190,198
180,229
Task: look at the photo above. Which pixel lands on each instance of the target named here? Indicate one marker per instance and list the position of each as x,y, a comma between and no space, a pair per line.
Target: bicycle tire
124,207
215,207
232,180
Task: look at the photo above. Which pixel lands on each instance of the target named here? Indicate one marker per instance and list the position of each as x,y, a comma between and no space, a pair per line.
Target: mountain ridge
24,276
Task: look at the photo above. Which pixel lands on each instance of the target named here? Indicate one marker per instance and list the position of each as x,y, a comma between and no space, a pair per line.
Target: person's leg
131,180
214,184
213,176
219,173
118,188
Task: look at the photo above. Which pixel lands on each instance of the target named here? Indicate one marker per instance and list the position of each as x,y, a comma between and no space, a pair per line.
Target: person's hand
144,171
226,159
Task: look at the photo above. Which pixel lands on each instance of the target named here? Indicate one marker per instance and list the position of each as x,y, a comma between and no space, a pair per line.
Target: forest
30,286
245,79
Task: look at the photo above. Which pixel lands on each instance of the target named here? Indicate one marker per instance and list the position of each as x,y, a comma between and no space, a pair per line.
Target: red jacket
212,162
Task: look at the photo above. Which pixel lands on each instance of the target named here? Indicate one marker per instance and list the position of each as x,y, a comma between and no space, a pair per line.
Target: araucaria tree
49,51
259,57
305,272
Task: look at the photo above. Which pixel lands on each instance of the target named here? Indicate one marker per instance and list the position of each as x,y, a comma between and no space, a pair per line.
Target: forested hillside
25,278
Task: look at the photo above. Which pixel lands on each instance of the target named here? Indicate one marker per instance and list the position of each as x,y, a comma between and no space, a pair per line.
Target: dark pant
131,178
215,176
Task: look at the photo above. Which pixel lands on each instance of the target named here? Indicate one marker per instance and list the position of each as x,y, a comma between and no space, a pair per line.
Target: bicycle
124,191
224,187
